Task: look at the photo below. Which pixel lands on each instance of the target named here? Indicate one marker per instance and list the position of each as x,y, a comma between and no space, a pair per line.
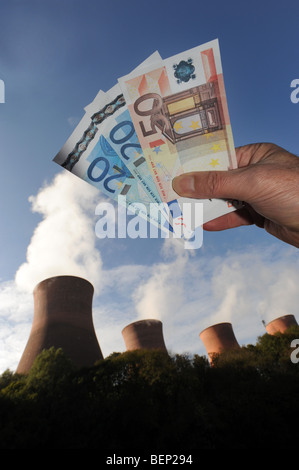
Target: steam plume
64,241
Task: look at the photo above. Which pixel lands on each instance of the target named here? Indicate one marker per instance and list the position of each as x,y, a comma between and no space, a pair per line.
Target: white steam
63,243
163,292
189,294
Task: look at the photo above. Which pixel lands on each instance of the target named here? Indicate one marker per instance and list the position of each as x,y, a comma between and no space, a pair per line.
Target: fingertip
184,185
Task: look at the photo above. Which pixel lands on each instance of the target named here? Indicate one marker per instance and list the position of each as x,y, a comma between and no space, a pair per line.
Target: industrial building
219,338
63,319
144,334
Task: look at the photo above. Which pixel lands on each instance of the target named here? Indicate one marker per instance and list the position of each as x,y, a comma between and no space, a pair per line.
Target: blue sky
54,57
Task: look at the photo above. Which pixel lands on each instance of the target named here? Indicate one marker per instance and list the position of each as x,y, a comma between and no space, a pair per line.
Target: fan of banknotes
166,117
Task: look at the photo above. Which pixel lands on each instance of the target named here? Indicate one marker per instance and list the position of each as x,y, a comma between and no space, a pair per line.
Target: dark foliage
149,400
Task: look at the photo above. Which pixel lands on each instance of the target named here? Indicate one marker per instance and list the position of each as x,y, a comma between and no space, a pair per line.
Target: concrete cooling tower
62,319
219,338
144,334
281,324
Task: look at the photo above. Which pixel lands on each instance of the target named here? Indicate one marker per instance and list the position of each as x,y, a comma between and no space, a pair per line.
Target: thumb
232,184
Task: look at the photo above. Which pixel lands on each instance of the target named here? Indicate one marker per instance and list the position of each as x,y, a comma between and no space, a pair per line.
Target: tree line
151,400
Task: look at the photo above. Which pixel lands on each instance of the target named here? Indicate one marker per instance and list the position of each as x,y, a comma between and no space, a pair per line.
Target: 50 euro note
179,110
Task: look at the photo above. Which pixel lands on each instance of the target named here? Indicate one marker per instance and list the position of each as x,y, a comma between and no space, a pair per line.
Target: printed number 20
104,173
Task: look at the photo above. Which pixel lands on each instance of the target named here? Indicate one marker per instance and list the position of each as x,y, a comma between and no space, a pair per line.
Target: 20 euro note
120,132
179,110
88,155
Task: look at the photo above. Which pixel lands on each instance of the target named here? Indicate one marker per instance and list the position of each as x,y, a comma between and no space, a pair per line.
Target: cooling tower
144,334
281,324
62,319
218,338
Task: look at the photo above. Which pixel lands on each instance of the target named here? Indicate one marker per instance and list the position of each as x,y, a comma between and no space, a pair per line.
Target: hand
266,180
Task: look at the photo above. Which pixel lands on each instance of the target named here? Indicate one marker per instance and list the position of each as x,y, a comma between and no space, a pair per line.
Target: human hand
266,180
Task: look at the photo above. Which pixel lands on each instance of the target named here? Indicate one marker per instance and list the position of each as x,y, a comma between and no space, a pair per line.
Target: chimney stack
218,338
62,319
281,324
144,334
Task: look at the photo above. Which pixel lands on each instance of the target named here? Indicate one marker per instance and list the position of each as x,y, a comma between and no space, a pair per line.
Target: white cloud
16,316
109,320
163,292
189,294
64,241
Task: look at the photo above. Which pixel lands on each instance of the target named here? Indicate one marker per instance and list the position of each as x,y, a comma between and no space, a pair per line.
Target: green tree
148,399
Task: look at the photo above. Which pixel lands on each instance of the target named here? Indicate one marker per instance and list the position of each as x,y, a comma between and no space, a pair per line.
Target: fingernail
184,185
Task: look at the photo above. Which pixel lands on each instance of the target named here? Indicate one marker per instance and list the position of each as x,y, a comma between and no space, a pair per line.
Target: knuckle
214,183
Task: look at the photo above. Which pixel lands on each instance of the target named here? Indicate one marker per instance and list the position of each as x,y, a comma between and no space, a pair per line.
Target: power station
63,319
144,334
219,338
281,324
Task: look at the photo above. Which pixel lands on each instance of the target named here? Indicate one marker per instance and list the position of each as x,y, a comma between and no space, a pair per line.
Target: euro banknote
94,153
179,109
166,117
